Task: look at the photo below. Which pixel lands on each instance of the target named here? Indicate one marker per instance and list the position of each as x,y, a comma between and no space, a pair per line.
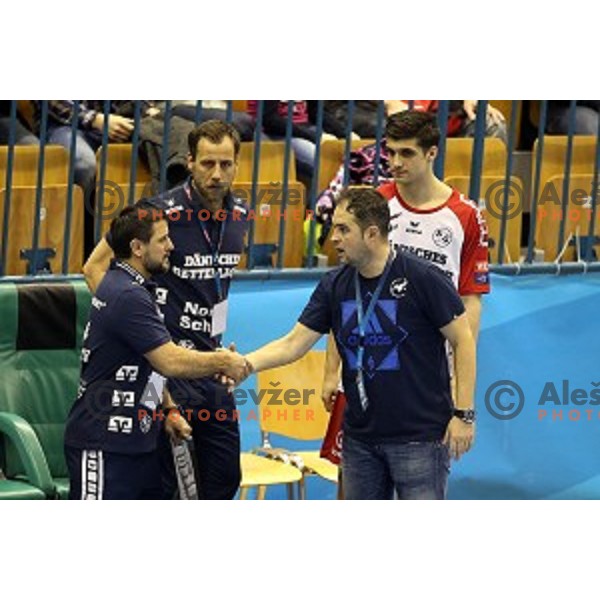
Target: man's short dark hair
368,207
133,222
417,124
214,131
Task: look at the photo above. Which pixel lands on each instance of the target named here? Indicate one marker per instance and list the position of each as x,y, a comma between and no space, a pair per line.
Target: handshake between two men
235,367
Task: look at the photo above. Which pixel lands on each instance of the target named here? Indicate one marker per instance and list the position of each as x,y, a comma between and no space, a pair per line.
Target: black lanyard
363,319
215,249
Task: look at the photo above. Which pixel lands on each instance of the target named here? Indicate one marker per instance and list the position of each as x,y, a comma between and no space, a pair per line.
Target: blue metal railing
589,251
33,262
512,132
101,185
440,162
309,260
567,176
9,178
36,255
255,174
70,188
536,180
135,142
287,155
478,148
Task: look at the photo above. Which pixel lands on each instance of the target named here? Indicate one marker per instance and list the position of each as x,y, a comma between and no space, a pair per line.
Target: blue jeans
586,120
85,153
304,150
414,470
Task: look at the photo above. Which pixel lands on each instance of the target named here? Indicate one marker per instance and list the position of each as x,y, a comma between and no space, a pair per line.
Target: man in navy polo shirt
391,314
208,225
112,430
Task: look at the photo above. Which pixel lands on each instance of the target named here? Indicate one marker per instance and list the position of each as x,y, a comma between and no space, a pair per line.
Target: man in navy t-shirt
113,427
391,314
208,225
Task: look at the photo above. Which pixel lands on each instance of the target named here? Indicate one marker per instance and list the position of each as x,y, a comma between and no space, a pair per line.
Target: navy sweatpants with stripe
99,475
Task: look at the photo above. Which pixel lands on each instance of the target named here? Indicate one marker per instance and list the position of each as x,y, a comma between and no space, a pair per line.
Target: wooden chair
117,181
267,219
53,210
459,153
576,216
552,172
272,155
297,413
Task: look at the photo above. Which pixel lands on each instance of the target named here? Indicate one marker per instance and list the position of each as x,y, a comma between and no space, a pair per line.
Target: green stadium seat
40,344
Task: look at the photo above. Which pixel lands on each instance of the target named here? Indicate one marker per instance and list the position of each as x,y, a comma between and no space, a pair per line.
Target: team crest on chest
398,288
442,237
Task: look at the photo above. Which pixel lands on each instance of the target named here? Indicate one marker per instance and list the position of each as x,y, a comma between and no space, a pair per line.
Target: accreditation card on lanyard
219,311
363,319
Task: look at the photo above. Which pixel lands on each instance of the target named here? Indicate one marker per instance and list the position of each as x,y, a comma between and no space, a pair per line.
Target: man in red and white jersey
429,219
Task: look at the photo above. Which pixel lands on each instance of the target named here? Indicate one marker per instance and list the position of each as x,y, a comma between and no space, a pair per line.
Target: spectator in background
361,168
213,109
23,136
461,118
364,119
461,122
89,131
586,117
304,133
90,125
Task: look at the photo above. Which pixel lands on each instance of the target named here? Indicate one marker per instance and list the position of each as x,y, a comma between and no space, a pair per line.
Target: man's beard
155,267
213,199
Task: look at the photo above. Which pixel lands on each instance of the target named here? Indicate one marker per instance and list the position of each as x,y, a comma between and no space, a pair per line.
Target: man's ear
372,232
190,161
432,153
136,247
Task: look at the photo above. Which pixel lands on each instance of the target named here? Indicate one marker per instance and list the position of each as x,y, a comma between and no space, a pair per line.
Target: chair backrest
53,209
554,154
272,155
40,344
118,164
268,218
52,230
552,171
576,216
459,154
291,402
25,166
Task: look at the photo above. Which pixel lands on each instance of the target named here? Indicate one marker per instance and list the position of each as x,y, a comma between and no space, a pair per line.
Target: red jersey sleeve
474,268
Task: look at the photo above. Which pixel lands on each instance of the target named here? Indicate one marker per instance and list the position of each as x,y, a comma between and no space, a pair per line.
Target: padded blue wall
536,330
